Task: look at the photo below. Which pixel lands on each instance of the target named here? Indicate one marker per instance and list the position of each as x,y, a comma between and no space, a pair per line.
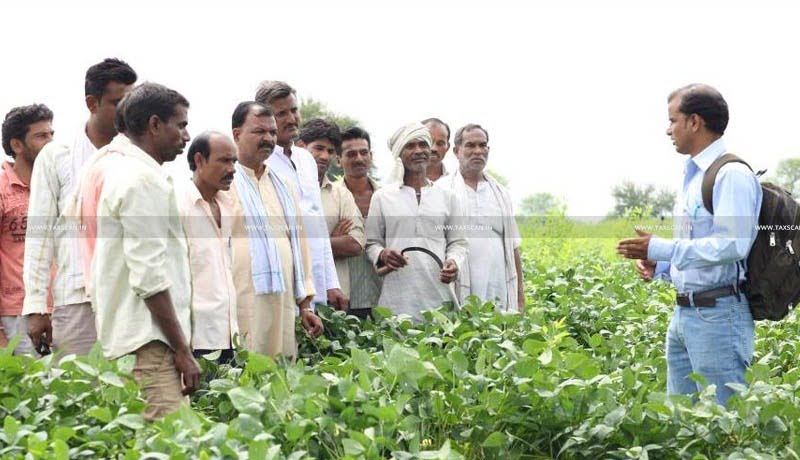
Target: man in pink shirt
25,131
207,216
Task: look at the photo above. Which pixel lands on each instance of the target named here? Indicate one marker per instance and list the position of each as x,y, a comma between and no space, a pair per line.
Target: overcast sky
573,96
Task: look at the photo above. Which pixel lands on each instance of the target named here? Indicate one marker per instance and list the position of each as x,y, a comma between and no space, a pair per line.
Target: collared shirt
214,317
705,248
397,221
338,203
364,293
301,172
140,251
50,237
14,196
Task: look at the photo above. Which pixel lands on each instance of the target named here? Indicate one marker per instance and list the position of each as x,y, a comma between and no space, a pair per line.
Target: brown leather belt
704,298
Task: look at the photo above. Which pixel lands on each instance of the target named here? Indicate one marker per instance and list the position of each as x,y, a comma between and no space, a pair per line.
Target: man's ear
199,160
154,123
455,151
92,103
696,121
300,143
17,146
236,133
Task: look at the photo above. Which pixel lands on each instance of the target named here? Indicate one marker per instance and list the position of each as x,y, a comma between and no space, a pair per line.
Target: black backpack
772,283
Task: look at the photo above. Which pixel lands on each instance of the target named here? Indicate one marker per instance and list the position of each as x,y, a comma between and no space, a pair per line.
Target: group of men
100,244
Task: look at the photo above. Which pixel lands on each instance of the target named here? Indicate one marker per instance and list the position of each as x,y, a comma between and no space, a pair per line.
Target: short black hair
318,128
356,133
466,128
19,120
270,91
436,120
146,100
101,74
202,145
706,102
244,108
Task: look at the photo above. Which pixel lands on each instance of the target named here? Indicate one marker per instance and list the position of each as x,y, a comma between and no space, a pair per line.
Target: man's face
440,142
218,170
256,138
38,135
356,158
473,153
106,107
415,156
287,116
679,127
173,135
322,150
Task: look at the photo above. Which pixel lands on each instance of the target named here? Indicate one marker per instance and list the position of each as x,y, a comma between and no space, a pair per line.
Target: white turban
399,139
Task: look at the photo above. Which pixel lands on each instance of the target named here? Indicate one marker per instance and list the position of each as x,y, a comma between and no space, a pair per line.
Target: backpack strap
710,177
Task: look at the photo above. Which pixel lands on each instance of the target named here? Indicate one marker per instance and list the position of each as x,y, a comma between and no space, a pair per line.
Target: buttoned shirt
397,221
214,317
705,248
51,237
338,203
14,195
140,251
300,171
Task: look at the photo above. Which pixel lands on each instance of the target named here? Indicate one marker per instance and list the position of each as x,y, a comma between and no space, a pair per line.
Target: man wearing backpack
711,329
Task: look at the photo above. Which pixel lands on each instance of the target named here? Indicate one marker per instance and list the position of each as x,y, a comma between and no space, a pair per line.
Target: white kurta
493,235
397,221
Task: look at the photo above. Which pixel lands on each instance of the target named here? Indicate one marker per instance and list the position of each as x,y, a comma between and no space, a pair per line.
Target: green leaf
496,439
112,379
11,429
352,447
247,400
100,413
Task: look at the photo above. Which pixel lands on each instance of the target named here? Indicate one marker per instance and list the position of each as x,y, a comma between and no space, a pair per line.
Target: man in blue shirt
711,330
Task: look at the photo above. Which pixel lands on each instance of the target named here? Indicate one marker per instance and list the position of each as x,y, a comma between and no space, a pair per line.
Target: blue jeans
716,342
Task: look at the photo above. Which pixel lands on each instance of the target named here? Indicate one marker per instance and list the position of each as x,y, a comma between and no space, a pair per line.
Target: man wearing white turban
410,213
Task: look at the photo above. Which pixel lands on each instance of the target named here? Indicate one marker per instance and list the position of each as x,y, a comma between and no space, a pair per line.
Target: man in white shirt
493,270
49,239
141,282
207,216
409,212
297,165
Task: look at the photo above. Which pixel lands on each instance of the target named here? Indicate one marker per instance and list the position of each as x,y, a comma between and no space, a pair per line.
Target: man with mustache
51,237
207,217
410,212
711,331
26,130
296,165
493,270
355,158
323,140
141,282
440,136
272,262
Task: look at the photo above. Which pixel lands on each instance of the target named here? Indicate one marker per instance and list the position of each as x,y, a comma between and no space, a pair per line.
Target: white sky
573,95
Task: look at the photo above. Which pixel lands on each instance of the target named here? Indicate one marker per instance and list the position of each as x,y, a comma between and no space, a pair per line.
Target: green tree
311,108
501,179
539,204
629,195
788,175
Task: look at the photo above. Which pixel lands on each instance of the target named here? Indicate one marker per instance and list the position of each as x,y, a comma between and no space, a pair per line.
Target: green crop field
580,375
